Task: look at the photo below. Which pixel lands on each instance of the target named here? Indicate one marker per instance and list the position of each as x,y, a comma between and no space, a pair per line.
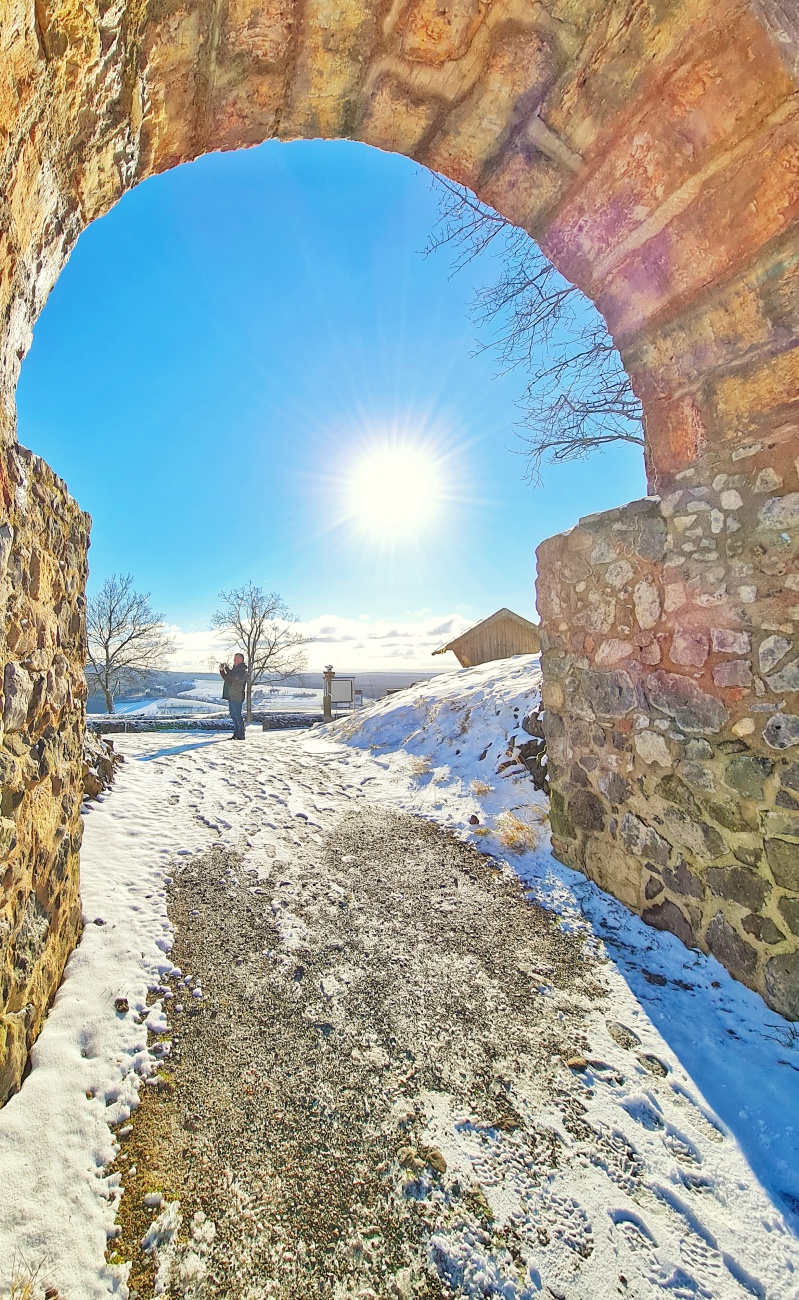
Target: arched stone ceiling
650,146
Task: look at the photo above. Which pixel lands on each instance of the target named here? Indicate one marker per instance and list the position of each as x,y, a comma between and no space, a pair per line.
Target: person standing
234,691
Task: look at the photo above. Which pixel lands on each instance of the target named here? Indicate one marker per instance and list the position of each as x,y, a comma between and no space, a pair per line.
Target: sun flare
395,491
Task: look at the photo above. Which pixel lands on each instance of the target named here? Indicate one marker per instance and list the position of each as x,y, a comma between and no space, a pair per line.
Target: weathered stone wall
43,544
671,674
651,150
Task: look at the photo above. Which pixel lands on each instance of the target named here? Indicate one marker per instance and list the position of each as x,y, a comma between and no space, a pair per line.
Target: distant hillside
160,685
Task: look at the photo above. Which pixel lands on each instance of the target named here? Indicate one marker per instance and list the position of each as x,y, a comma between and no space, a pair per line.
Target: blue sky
232,342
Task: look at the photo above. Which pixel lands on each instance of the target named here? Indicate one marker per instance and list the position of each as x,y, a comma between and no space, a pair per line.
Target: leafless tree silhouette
578,396
127,640
258,623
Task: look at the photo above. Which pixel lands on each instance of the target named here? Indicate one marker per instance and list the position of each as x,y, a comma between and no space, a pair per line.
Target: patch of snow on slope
57,1202
451,735
735,1062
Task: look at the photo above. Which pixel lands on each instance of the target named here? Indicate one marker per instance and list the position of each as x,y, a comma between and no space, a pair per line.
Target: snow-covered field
692,1085
274,699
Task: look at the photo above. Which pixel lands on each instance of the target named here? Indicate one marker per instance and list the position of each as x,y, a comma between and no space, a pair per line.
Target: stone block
787,679
613,651
771,651
782,731
762,928
668,916
681,880
646,602
649,538
735,672
576,570
730,641
17,691
553,695
672,790
783,858
597,615
782,984
781,823
643,840
732,815
731,500
749,853
789,909
587,811
615,871
743,727
650,654
619,574
747,774
789,776
689,646
697,777
652,748
8,831
611,694
700,839
577,776
739,885
675,596
614,787
767,480
780,512
691,707
731,949
559,820
14,1028
586,735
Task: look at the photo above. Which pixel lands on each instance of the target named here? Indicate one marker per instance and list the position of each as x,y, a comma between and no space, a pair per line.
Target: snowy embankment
456,735
455,732
706,1131
57,1202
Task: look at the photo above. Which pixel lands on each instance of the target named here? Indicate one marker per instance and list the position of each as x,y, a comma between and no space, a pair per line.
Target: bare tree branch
258,624
578,396
127,640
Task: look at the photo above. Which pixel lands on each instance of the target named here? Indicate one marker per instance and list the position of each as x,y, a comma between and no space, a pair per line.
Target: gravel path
362,990
387,1073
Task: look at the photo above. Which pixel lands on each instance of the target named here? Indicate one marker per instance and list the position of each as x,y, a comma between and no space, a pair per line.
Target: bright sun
395,491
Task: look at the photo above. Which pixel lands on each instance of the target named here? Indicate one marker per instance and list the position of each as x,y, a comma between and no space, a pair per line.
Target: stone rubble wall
43,545
671,695
100,762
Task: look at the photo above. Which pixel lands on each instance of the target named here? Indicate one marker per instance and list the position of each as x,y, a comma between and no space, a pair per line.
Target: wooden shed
499,636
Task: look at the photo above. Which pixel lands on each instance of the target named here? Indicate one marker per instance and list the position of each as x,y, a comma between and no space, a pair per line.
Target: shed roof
484,622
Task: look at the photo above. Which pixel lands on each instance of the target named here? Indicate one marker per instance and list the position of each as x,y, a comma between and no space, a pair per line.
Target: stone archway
652,149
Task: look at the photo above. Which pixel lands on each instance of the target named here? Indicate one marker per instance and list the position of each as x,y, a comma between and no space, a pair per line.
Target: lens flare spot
395,492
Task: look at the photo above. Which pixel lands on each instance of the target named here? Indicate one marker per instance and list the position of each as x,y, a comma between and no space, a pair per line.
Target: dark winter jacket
235,679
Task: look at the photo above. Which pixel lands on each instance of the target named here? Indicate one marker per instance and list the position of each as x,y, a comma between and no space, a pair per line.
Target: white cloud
350,644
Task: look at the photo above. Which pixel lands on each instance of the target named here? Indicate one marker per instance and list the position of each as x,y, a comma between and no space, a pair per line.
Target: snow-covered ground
170,707
274,699
692,1084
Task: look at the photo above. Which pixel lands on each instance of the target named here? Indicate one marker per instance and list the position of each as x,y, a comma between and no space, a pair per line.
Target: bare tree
578,396
258,623
127,640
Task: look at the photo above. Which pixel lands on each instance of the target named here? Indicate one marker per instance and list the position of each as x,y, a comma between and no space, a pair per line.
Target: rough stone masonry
670,675
653,151
42,579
